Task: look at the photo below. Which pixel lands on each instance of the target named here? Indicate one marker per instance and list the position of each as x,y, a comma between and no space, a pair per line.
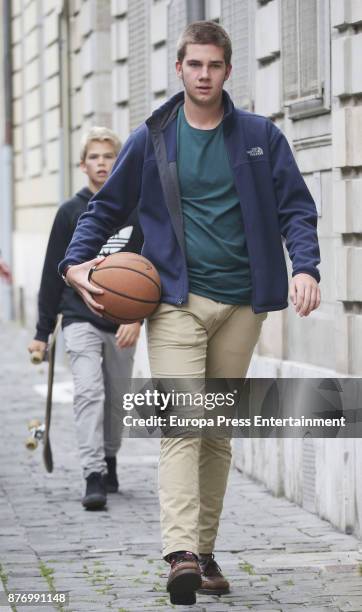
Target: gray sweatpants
101,374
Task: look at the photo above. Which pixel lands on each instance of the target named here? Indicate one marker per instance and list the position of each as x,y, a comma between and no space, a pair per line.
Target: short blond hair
101,134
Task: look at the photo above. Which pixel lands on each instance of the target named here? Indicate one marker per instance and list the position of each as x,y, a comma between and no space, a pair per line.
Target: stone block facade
327,145
111,62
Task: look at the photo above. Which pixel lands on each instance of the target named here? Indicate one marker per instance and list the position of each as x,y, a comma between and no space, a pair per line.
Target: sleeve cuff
311,271
42,336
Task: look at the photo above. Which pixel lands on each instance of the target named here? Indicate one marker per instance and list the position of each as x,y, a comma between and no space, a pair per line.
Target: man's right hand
77,277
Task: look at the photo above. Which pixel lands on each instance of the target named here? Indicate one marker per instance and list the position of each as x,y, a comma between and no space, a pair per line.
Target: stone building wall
324,129
87,62
36,121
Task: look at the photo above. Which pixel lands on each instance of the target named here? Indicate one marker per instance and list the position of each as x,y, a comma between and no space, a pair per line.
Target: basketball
131,285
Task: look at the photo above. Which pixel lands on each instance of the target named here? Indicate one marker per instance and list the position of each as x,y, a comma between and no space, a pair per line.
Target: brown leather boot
212,580
184,578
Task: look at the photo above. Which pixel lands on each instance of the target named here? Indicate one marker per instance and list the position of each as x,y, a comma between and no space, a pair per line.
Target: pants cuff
189,546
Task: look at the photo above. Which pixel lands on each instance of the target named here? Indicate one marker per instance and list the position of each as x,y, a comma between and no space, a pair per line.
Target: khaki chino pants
200,339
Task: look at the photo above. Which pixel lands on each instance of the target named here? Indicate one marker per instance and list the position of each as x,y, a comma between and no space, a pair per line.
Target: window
237,17
305,56
176,22
139,61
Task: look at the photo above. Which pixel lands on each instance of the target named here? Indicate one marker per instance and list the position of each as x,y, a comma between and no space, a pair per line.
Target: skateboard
40,431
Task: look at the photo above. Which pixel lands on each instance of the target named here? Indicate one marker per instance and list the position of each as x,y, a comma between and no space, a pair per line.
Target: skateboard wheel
36,357
31,443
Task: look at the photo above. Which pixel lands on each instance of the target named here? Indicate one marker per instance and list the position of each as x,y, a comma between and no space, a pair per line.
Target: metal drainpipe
6,187
195,10
65,172
65,176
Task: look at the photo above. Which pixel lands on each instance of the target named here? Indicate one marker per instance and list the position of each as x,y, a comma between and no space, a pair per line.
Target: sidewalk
277,556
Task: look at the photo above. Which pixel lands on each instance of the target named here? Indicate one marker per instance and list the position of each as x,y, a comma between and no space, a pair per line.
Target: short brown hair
101,134
204,33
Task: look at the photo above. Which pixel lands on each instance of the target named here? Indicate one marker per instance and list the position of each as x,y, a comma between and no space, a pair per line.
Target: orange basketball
131,285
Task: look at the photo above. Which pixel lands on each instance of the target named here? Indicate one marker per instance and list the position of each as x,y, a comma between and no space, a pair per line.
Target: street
277,556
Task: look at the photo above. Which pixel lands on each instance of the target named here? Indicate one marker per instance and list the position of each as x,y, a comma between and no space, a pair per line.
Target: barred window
236,17
305,55
139,61
177,21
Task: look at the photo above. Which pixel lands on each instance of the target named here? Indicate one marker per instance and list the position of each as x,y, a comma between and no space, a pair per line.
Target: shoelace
209,564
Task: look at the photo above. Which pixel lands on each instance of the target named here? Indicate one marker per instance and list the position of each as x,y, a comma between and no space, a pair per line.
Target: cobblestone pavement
277,556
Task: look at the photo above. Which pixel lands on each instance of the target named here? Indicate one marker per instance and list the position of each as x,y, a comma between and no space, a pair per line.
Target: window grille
139,68
236,16
176,22
305,56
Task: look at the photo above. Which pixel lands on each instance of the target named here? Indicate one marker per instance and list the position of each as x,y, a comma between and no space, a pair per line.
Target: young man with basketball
100,353
217,189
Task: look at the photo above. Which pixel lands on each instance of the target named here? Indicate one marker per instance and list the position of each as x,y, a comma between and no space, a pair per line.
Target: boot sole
94,502
213,591
183,587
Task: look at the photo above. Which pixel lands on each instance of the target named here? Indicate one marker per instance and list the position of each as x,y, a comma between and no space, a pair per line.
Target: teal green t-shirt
217,257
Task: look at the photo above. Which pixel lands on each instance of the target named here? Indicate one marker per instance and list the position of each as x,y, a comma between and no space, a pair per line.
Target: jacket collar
166,113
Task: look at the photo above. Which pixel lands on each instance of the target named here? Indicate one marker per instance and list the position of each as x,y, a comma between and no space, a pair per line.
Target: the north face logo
255,152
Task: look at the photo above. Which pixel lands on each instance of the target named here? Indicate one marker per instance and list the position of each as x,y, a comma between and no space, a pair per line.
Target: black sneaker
95,496
110,478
